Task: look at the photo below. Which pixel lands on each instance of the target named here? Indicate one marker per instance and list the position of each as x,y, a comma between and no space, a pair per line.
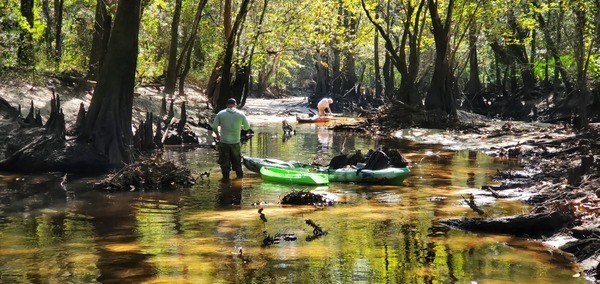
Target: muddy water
63,232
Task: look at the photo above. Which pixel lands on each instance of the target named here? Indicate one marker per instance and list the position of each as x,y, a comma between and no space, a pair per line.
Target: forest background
427,59
429,54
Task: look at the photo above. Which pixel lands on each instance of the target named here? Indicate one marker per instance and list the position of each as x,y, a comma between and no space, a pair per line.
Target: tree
440,96
185,60
405,56
583,45
25,52
228,56
377,67
171,80
550,43
219,85
108,125
102,26
474,86
58,35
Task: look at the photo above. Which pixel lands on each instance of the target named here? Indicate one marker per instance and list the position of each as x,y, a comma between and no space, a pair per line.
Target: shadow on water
52,231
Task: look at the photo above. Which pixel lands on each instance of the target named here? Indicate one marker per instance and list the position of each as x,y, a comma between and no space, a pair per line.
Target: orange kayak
309,119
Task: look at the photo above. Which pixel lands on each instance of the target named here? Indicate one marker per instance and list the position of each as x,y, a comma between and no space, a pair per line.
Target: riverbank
559,177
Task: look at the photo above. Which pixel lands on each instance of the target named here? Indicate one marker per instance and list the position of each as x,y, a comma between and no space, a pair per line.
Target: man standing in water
227,126
324,105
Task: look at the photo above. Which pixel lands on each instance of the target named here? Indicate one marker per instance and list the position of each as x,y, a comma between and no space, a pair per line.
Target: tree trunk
533,48
102,26
109,117
225,87
227,12
474,82
378,84
513,78
582,63
440,96
519,53
336,70
171,79
322,76
58,16
240,86
497,69
184,62
48,36
250,55
474,85
348,73
25,51
349,79
388,77
558,26
407,65
266,74
559,69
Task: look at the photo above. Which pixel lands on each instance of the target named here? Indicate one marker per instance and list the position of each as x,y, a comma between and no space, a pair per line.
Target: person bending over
323,106
227,127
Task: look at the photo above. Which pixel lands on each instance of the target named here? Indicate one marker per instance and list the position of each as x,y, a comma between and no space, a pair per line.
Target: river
57,229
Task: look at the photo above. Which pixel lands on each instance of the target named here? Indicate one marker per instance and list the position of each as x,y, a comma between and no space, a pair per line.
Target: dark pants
230,158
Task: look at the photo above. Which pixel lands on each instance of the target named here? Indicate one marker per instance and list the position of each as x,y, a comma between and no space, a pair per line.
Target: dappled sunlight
123,247
214,232
6,251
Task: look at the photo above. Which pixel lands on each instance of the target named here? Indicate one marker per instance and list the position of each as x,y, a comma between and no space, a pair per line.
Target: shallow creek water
212,233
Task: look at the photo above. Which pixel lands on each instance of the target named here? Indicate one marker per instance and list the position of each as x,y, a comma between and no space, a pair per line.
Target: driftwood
301,197
582,249
473,205
148,173
317,230
532,225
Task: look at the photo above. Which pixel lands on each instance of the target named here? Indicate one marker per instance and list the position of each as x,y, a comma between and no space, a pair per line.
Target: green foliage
295,34
9,32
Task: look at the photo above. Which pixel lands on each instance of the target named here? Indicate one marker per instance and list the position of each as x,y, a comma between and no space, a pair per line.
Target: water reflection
324,137
214,233
230,192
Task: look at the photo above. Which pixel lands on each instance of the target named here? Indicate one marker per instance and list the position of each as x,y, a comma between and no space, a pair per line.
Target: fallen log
531,225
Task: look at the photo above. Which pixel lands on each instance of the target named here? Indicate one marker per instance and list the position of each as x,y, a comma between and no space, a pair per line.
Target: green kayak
389,175
386,175
293,176
255,164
